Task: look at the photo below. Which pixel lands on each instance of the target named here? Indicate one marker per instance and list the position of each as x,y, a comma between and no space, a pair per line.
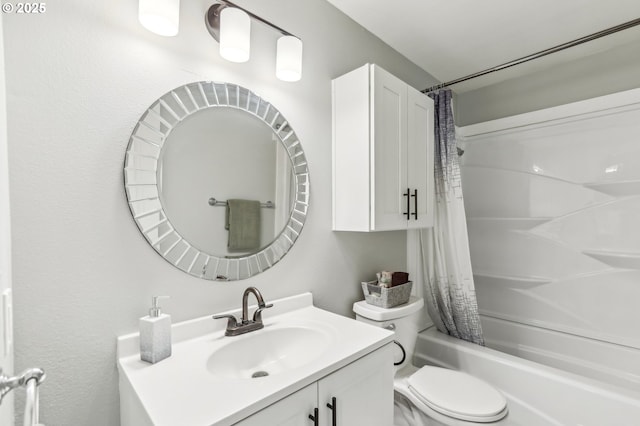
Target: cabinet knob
415,204
406,194
334,411
314,417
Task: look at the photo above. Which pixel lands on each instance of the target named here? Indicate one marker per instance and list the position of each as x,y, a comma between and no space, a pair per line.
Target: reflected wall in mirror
217,181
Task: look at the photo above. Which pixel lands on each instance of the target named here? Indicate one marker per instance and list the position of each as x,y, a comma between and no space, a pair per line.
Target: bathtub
537,394
604,361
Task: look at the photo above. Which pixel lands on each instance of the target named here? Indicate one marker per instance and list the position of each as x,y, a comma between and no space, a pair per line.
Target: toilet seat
458,395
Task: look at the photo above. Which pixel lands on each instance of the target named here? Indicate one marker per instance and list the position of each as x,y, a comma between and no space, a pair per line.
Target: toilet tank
404,319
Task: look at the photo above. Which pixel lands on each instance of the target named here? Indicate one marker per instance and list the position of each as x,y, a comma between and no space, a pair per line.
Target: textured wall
6,361
79,77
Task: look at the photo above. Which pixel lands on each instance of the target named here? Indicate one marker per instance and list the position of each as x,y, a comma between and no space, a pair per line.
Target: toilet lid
457,394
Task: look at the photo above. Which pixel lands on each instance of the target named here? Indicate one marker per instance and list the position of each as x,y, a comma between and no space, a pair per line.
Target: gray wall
78,78
6,362
600,74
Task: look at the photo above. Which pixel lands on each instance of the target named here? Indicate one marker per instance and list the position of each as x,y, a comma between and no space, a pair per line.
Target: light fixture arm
212,19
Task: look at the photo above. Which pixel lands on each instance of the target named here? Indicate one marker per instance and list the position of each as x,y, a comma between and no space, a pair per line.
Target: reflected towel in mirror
242,220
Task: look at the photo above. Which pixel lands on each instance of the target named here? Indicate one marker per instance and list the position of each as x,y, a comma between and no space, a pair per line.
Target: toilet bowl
450,397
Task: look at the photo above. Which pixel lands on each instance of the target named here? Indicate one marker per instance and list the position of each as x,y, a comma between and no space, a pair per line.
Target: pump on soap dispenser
155,333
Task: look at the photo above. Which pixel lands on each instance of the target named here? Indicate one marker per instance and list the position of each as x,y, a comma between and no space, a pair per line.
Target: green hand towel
243,223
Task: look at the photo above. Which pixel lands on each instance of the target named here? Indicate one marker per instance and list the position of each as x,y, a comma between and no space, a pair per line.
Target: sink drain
259,374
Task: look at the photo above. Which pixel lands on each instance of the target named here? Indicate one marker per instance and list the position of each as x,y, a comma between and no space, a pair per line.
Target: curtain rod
537,55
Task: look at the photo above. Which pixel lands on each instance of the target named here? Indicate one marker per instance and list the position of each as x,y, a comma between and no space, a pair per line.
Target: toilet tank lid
376,313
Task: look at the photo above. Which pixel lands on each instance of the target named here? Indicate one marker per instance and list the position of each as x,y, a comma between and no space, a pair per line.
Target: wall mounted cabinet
382,153
360,393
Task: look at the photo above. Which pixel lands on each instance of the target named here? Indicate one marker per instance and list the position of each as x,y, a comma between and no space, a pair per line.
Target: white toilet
438,395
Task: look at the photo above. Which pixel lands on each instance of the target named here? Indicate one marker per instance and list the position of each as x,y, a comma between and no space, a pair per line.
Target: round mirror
217,181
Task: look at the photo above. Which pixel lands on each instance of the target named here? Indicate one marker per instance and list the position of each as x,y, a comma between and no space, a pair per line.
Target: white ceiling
454,38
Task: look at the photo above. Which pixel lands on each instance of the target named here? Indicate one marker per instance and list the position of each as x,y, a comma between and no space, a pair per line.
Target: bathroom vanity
306,366
353,394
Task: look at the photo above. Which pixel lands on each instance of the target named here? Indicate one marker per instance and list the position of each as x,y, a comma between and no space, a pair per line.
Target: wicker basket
386,297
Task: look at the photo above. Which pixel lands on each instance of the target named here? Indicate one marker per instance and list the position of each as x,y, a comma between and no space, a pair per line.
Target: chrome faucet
235,328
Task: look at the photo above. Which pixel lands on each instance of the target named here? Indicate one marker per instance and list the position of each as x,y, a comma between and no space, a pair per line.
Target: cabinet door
389,153
363,392
293,410
420,158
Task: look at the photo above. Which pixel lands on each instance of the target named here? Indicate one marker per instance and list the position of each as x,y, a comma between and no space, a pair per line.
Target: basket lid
377,313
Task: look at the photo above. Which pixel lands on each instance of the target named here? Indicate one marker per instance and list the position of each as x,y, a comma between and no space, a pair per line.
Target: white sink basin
267,352
207,380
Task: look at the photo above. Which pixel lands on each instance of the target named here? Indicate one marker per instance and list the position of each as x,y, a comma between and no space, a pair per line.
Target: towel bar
8,383
214,202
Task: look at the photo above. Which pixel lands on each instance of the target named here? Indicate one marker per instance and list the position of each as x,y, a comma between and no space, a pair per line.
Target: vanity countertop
188,388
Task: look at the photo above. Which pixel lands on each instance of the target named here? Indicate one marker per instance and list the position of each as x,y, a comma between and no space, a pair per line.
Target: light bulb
235,34
289,58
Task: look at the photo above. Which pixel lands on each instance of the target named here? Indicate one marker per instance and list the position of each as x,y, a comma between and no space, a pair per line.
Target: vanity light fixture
289,58
160,16
229,24
235,34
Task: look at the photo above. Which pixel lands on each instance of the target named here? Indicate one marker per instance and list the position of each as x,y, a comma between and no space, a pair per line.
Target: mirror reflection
233,173
217,181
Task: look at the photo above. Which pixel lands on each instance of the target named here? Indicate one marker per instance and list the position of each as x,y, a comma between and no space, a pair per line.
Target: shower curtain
446,262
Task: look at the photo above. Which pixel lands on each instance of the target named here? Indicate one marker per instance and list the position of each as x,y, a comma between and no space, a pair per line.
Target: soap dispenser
155,333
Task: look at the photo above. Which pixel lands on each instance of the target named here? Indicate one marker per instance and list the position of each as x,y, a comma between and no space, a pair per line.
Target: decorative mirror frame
141,186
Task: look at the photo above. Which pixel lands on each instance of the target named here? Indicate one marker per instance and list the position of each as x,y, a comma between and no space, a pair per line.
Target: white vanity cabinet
361,393
293,410
382,153
310,356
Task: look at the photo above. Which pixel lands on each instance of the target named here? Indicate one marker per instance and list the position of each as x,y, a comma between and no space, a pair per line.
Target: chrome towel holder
9,383
214,202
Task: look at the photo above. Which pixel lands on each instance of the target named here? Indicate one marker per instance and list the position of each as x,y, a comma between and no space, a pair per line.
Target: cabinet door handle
415,204
334,411
408,203
314,417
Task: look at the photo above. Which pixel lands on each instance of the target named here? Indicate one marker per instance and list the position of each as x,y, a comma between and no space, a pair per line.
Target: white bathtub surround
446,265
537,394
552,201
299,346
